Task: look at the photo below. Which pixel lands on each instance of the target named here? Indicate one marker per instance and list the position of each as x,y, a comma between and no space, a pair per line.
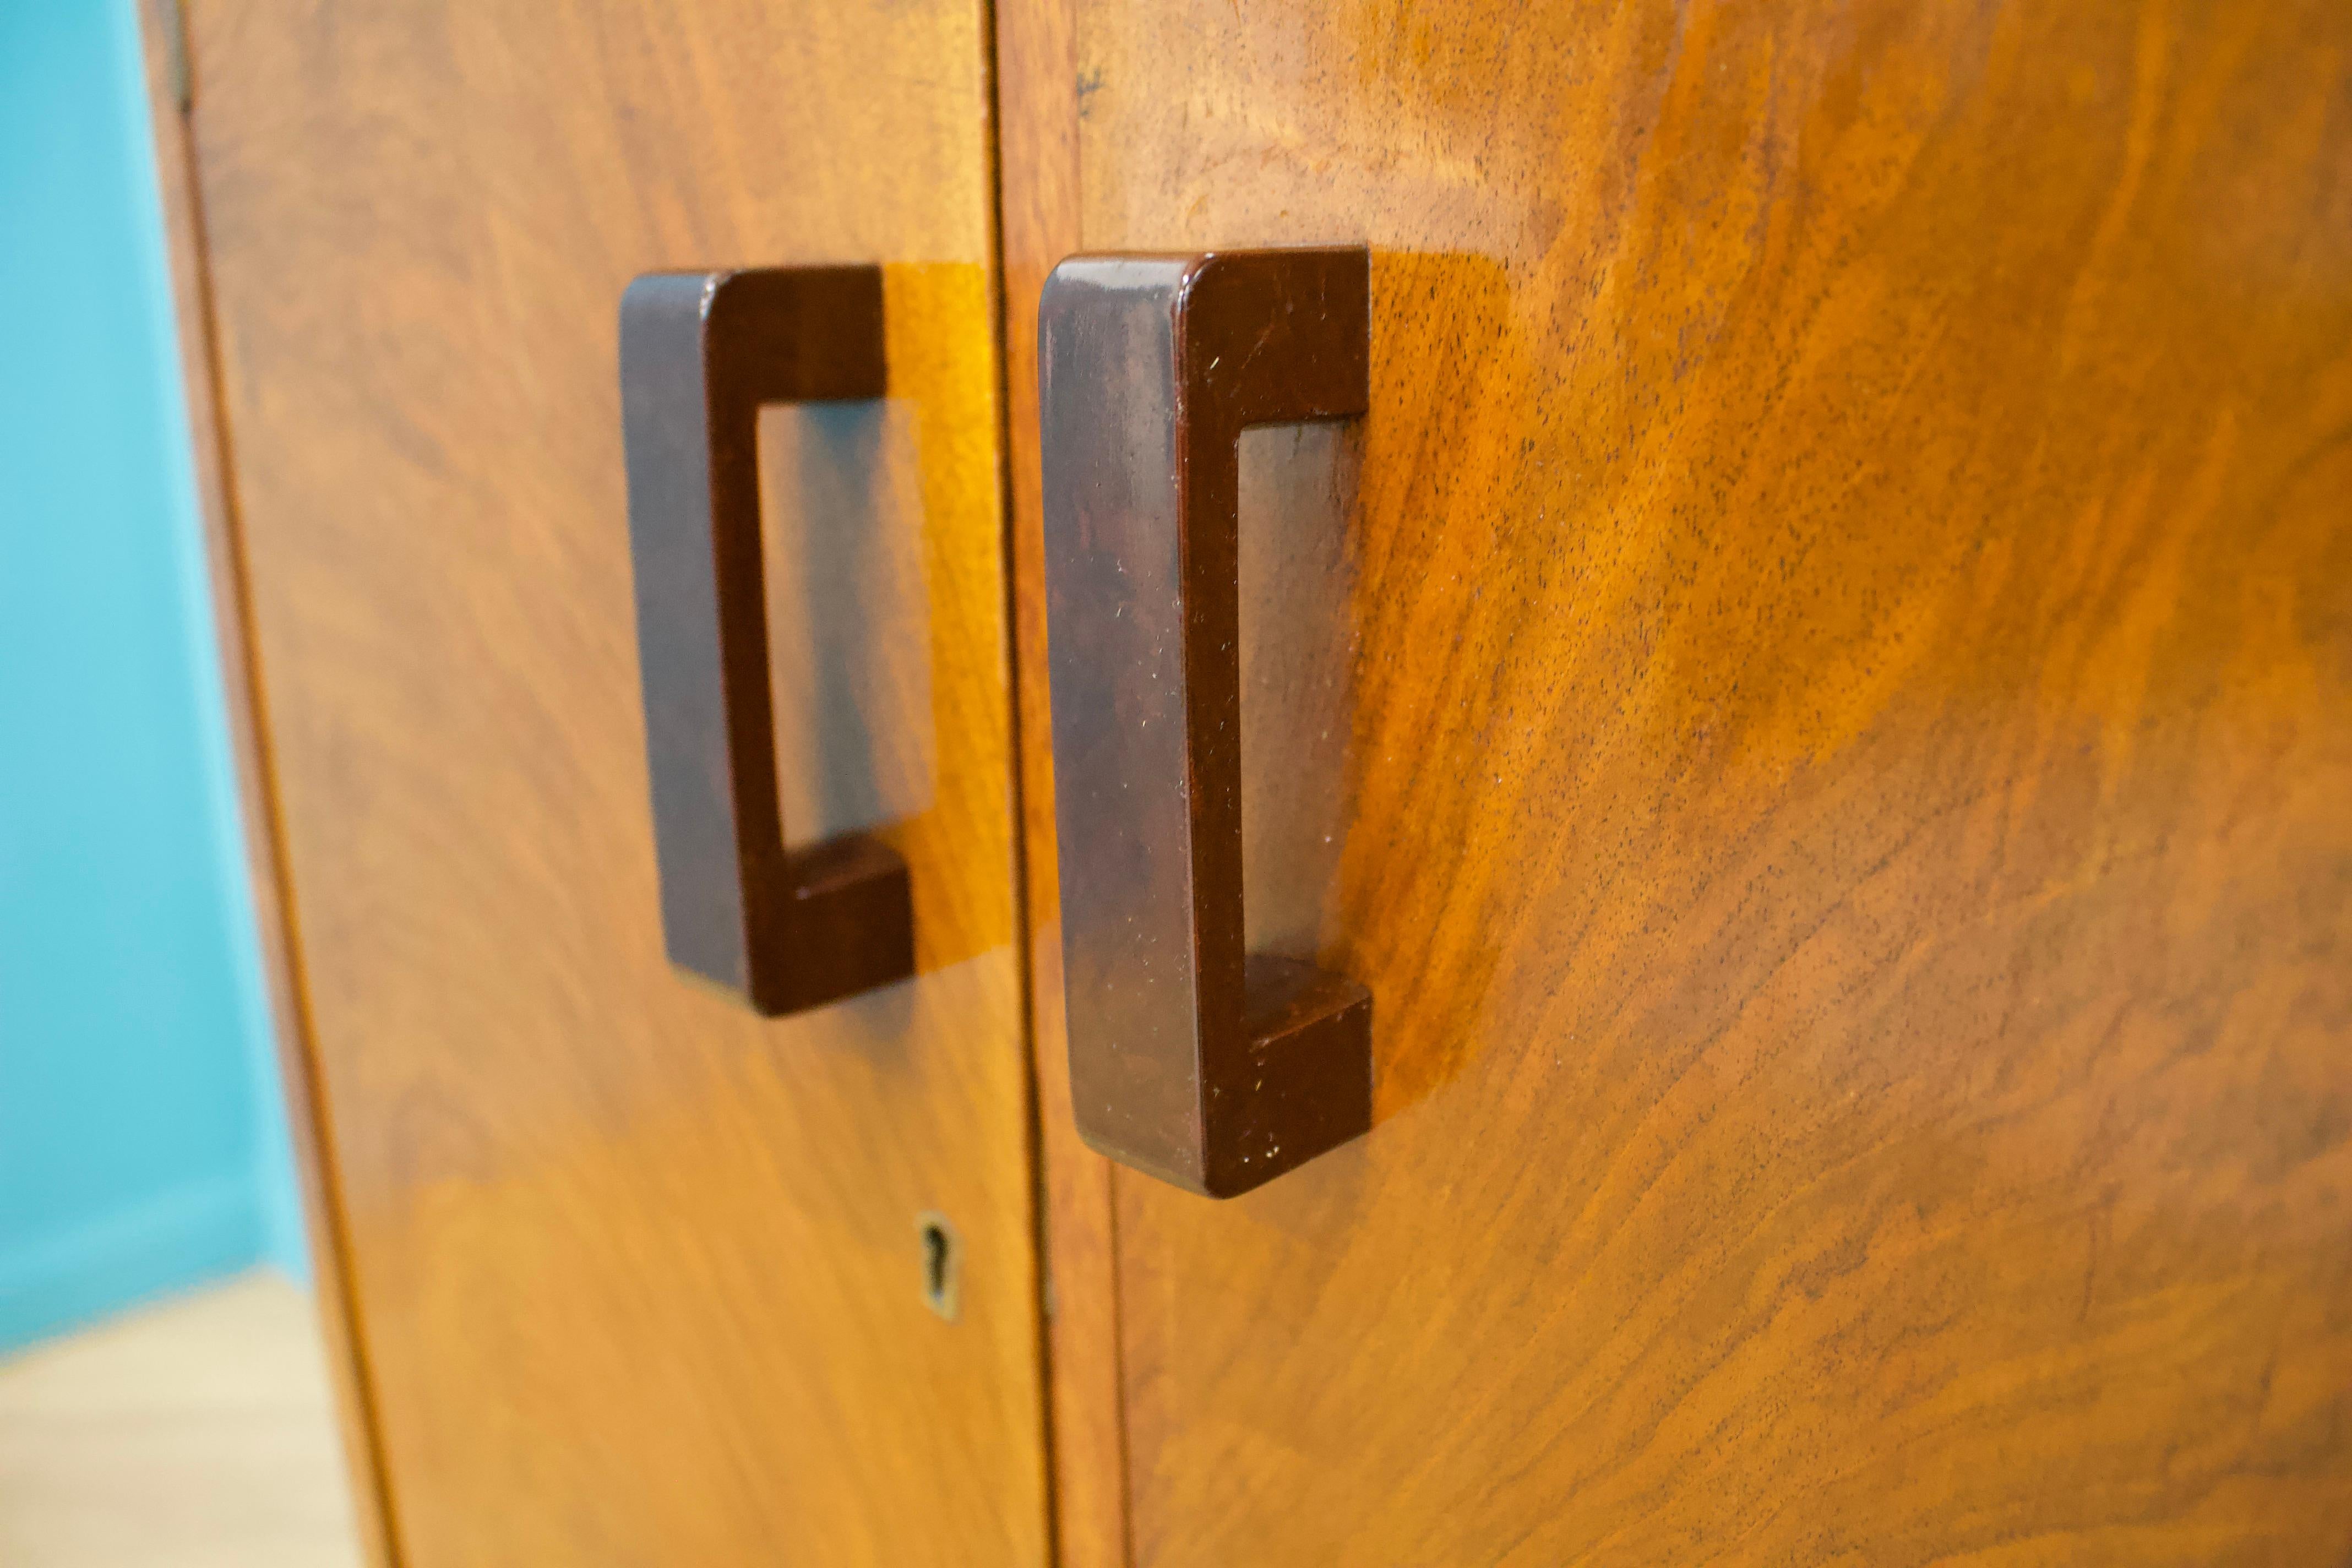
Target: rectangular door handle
1190,1058
700,351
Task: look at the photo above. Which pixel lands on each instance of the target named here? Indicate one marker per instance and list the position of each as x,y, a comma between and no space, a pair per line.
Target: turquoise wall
142,1144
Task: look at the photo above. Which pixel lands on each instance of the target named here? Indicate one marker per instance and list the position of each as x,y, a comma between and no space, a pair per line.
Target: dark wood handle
700,351
1189,1059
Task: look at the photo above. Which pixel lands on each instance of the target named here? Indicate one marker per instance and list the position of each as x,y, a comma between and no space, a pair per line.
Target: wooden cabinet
1816,699
1845,592
634,1275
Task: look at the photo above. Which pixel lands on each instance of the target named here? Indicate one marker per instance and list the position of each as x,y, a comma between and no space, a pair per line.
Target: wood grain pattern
1037,151
1851,742
638,1273
170,90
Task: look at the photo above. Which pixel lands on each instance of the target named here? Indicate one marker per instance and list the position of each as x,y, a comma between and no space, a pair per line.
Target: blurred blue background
143,1142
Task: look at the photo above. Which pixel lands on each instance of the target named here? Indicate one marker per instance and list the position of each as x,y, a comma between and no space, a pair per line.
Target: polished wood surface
1851,746
1037,190
638,1276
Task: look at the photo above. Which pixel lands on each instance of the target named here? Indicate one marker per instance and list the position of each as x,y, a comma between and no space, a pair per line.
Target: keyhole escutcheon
943,1260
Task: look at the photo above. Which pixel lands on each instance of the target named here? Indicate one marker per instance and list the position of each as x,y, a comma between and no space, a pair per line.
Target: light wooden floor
196,1434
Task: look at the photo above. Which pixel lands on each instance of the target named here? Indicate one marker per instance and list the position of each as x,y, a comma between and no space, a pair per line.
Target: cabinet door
636,1275
1838,631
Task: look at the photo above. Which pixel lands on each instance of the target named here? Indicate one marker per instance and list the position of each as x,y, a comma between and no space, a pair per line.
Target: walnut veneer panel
636,1275
1849,778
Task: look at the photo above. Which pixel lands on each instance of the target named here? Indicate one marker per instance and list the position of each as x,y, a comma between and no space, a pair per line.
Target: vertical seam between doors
1016,799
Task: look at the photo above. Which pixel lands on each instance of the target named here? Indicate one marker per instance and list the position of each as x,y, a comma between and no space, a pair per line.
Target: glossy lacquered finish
700,353
1206,1067
1846,813
637,1276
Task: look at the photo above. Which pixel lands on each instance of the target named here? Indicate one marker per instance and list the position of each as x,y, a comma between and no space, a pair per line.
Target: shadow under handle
700,351
1190,1059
